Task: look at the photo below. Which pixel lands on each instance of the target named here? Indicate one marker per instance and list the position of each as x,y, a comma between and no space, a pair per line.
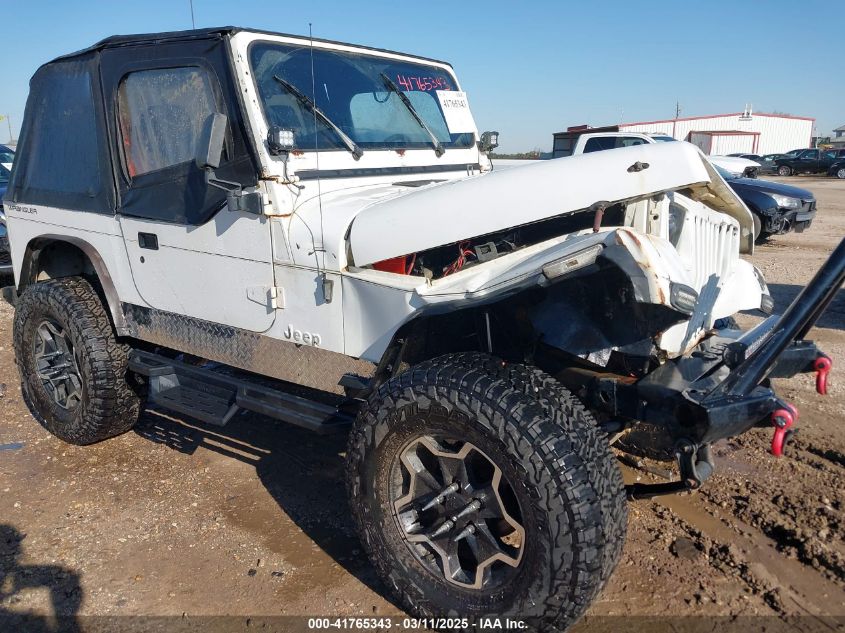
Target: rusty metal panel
301,364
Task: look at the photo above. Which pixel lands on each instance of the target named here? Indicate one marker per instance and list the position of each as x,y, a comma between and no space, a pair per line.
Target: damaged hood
462,209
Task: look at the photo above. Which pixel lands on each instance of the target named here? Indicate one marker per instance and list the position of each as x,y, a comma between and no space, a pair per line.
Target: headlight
682,297
785,202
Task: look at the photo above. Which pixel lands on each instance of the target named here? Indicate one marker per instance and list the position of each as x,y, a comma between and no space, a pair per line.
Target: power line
193,24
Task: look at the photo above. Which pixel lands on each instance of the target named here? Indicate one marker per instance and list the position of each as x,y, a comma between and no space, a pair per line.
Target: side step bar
214,398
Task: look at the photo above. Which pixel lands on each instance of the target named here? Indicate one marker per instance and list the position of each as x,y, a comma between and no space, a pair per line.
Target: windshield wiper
357,152
438,146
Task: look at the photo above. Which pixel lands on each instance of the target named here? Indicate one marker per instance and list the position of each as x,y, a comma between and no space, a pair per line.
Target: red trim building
736,132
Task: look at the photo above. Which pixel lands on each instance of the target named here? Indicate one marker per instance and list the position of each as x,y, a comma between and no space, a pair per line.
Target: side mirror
489,141
210,142
209,150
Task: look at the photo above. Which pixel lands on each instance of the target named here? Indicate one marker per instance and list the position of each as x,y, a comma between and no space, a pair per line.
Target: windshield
349,89
4,175
6,155
663,139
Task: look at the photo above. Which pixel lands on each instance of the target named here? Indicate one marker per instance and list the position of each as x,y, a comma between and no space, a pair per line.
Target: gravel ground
181,519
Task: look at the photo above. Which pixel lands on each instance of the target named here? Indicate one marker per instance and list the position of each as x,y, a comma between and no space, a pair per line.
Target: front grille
716,247
5,258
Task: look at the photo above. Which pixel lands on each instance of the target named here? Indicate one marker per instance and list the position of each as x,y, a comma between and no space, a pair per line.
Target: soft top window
162,112
159,96
61,158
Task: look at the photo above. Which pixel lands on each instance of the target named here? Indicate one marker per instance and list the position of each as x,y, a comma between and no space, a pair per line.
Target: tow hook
822,367
782,420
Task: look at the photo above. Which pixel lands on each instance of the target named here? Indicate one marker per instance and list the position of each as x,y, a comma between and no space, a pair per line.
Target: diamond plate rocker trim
302,364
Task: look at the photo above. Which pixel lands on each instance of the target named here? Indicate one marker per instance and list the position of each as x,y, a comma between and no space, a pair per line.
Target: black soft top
73,156
116,41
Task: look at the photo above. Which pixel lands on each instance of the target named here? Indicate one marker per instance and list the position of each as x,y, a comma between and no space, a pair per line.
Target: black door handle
148,241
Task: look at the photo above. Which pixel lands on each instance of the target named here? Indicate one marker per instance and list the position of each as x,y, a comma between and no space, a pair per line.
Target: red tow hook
782,420
822,367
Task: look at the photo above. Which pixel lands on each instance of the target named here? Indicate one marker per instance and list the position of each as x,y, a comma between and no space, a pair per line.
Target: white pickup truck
583,143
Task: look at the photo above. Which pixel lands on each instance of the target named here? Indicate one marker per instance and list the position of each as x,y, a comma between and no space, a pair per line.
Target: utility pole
9,123
677,114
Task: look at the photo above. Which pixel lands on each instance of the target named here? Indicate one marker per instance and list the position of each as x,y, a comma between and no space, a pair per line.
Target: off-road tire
593,446
109,403
758,226
549,450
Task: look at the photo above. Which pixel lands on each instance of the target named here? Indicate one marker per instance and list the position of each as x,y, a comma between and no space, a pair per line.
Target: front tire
73,370
840,173
592,445
783,170
758,226
423,459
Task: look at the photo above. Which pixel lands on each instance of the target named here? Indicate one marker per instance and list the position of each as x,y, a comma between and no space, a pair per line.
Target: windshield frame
374,54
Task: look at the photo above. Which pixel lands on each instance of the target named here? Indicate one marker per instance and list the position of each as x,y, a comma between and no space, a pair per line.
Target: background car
809,161
7,157
766,161
5,255
777,208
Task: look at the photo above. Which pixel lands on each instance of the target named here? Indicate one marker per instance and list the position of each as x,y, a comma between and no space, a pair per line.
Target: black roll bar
794,325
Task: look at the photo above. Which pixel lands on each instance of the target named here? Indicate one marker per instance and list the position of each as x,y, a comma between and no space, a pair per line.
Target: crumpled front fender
745,289
651,263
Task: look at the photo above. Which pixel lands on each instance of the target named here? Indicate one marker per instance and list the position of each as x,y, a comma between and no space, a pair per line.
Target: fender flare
28,273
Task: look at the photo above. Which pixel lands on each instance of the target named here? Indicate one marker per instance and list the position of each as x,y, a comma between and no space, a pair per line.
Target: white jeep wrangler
229,219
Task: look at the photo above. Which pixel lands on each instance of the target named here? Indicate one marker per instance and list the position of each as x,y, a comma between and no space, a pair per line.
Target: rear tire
73,370
783,170
555,484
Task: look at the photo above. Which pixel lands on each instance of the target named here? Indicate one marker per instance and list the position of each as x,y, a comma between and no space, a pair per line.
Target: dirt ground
181,519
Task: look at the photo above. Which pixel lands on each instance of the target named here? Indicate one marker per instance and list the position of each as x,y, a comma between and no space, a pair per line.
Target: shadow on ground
302,471
832,318
61,583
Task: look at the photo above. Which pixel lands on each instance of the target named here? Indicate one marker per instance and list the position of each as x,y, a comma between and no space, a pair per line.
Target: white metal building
750,132
746,132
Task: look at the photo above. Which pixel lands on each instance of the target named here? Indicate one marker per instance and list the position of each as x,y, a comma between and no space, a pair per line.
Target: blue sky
529,68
